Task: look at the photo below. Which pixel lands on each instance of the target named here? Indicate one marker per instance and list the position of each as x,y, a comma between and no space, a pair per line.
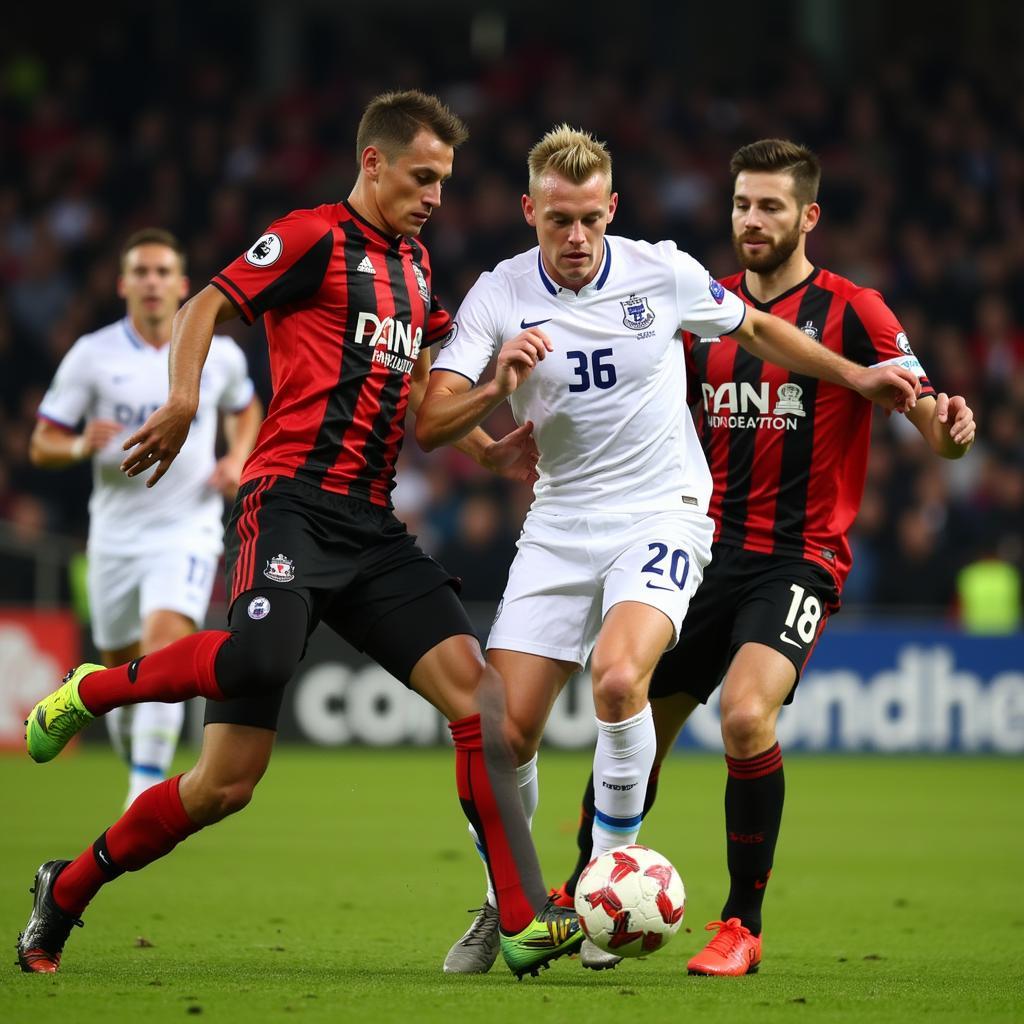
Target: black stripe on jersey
746,370
377,440
798,445
300,281
234,295
857,344
361,296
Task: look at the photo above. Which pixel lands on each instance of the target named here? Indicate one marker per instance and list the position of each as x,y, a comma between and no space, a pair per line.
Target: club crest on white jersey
637,314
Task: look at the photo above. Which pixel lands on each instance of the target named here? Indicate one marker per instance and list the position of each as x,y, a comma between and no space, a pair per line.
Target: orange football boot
560,898
732,952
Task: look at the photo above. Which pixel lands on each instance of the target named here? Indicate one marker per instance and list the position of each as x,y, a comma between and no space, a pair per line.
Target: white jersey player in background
152,556
588,335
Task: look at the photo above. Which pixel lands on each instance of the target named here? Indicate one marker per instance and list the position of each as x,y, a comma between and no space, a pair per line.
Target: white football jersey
113,374
609,403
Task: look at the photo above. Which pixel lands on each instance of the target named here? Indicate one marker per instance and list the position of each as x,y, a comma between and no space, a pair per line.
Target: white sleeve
69,399
476,332
705,307
238,386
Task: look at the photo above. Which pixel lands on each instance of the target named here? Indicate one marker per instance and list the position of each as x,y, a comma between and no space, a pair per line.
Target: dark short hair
392,120
154,236
781,155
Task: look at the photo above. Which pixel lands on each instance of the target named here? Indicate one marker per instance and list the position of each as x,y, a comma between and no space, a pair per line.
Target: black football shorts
354,564
782,602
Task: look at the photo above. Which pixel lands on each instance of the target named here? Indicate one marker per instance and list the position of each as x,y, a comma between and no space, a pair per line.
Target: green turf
898,895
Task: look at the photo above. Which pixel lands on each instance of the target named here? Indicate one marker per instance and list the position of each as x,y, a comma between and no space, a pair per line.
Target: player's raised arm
776,341
157,442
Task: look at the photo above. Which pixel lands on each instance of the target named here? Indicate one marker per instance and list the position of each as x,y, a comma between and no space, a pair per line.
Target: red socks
154,824
176,672
481,807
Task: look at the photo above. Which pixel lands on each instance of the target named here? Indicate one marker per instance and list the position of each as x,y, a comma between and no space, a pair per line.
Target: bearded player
788,457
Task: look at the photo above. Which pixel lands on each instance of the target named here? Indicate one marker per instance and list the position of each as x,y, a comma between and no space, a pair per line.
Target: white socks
622,764
529,796
155,729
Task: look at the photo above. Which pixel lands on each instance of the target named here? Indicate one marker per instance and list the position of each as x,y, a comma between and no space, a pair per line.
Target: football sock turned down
754,794
529,795
154,824
496,814
623,759
584,834
174,673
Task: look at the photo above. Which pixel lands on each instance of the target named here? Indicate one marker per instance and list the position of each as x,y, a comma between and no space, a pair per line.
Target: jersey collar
390,240
133,335
594,286
766,306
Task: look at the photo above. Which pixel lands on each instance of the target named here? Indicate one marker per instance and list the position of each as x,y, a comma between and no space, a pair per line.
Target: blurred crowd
923,198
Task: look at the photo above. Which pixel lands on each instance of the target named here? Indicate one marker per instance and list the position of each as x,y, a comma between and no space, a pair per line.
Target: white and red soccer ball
630,901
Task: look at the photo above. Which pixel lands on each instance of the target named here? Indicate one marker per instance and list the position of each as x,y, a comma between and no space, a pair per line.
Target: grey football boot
477,950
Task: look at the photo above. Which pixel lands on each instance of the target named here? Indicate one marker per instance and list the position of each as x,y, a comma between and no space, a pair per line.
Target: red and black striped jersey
347,309
788,453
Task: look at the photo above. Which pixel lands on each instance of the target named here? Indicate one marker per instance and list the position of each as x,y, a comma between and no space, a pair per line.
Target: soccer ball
630,901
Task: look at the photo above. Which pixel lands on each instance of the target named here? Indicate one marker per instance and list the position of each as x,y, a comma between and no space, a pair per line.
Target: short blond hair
575,155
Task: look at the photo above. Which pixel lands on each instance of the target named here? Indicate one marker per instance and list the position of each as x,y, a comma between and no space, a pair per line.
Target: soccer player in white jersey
152,555
587,329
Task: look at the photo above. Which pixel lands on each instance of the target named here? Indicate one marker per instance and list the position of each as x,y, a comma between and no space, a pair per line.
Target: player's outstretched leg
154,824
41,943
59,717
477,949
533,930
255,658
181,670
232,761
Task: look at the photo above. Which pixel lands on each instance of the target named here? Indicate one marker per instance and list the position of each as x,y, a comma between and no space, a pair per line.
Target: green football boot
554,932
56,719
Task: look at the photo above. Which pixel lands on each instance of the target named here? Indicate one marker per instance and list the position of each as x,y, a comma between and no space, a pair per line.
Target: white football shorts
571,570
123,590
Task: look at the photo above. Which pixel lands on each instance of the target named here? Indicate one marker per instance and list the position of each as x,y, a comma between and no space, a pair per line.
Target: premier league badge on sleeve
716,289
266,251
280,569
637,315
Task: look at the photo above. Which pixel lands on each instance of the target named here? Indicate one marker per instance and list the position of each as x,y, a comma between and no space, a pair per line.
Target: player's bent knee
618,692
524,742
747,727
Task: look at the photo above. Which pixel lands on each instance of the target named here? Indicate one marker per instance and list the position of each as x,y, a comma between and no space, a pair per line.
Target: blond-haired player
587,329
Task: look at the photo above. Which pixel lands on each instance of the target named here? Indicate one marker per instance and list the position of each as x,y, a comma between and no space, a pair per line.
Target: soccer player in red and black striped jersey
344,290
788,457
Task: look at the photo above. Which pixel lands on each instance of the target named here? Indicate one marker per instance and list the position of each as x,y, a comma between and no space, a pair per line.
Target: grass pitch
898,895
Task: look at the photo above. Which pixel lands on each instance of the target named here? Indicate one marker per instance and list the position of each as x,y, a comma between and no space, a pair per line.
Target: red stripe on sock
176,672
154,824
474,786
755,767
